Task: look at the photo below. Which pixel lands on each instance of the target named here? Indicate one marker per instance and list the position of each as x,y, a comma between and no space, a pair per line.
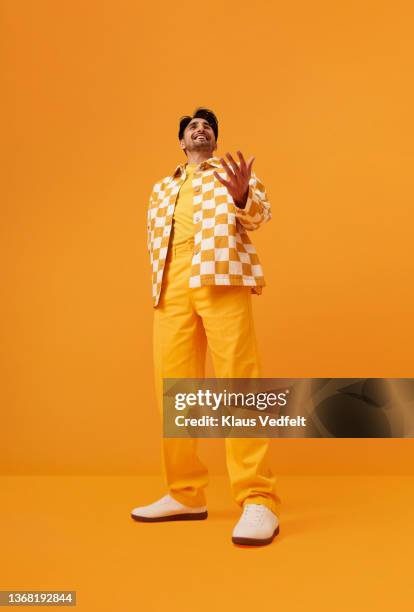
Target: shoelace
254,513
164,499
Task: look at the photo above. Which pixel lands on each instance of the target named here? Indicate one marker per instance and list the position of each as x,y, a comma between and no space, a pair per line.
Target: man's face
198,136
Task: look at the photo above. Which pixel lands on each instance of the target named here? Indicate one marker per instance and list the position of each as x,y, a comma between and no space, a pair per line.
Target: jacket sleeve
149,226
151,201
257,210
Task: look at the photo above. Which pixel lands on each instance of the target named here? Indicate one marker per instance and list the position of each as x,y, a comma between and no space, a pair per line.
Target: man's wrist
242,203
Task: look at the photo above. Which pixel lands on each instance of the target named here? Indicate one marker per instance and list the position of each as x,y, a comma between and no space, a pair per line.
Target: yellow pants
185,321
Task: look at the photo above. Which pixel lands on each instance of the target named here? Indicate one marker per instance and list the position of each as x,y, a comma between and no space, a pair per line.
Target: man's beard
201,145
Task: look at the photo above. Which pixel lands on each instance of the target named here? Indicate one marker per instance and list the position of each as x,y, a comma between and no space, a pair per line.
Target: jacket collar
211,161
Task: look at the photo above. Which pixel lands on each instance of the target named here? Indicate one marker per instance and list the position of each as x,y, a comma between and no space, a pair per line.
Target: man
204,271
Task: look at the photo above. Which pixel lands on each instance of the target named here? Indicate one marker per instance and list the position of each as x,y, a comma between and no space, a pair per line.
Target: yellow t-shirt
183,224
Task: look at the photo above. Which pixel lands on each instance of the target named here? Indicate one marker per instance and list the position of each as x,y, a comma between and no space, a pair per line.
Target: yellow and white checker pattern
223,252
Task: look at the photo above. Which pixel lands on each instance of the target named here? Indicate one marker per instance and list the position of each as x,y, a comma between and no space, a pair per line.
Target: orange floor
345,544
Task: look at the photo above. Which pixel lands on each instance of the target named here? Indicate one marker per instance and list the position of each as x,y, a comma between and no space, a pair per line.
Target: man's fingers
222,181
235,167
250,164
227,168
242,161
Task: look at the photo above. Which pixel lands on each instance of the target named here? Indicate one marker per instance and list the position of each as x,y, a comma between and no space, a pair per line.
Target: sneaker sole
195,516
255,541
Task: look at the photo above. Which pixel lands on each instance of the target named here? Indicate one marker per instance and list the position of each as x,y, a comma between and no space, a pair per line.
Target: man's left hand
239,176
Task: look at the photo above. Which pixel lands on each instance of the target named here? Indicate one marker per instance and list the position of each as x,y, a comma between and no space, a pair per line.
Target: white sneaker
257,526
168,509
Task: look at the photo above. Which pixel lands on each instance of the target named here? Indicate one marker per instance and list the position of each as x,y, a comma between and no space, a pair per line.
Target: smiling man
204,270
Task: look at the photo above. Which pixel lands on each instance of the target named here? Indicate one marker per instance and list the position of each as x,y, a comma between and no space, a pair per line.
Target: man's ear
182,144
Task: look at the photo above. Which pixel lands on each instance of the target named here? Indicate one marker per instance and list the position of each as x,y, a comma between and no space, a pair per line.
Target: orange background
320,93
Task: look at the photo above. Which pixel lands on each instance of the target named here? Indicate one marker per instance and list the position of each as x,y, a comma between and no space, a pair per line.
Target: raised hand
239,176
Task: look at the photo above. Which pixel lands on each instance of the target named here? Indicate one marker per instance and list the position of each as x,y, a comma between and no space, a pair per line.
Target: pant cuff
273,504
192,501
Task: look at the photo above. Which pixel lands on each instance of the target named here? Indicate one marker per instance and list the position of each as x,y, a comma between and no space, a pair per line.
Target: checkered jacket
223,253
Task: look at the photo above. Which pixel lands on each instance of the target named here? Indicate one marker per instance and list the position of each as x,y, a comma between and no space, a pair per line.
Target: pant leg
179,348
228,321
